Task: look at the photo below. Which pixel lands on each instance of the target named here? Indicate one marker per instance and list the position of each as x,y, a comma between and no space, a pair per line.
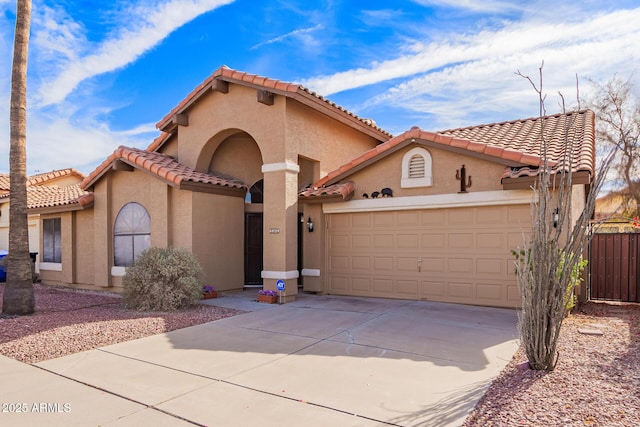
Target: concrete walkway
320,361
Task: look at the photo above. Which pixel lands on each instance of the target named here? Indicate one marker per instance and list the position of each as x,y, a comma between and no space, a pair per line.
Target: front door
253,249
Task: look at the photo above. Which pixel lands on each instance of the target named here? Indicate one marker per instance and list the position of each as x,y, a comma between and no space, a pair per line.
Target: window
51,240
131,234
416,169
256,192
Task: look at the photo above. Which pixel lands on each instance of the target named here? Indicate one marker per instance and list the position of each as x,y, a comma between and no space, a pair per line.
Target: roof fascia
59,209
526,182
212,189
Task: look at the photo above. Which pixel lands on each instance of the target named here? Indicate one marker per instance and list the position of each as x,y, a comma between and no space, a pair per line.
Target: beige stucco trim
118,271
311,272
284,166
50,266
438,201
284,275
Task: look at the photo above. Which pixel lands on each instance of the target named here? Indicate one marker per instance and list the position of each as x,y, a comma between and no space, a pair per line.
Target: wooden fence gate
614,263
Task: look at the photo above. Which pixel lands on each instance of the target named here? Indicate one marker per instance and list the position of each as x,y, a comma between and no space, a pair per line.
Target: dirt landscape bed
69,321
596,381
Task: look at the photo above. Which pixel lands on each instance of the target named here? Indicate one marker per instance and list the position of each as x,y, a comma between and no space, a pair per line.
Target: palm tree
18,292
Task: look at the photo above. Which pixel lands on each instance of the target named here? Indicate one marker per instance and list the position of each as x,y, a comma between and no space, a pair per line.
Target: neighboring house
264,180
42,189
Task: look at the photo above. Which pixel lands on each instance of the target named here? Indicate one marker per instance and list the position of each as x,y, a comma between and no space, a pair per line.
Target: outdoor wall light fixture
310,225
556,212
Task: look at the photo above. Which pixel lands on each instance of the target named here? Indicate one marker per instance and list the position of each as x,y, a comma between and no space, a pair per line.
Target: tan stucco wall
238,156
485,175
218,239
321,138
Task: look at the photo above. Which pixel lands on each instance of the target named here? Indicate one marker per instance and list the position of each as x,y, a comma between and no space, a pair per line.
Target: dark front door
253,248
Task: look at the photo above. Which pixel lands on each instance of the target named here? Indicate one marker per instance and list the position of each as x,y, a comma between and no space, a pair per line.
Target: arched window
131,234
256,192
416,169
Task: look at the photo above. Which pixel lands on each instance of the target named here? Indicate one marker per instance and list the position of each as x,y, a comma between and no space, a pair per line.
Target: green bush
162,279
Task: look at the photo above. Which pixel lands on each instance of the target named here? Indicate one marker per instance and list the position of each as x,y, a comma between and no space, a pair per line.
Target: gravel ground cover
68,321
596,381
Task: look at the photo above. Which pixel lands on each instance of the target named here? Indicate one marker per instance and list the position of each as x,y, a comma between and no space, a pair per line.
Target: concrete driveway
320,361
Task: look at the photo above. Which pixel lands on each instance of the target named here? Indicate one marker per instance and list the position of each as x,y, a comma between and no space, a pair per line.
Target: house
264,180
43,189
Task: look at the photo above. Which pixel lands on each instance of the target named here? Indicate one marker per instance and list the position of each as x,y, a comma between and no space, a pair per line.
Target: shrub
162,279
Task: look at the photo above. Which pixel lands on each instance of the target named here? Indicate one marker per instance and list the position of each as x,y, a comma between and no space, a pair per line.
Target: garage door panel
339,283
460,289
492,266
361,284
489,291
433,265
383,286
382,219
460,216
407,288
339,241
408,219
361,241
407,264
457,255
433,218
383,241
407,241
460,265
433,240
461,240
491,215
339,263
383,263
519,214
491,241
432,289
361,263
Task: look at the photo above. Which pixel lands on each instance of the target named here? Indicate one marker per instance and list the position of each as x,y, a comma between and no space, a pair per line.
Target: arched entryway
236,154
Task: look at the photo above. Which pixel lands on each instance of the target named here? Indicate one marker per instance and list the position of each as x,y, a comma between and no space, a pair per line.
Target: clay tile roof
293,90
164,167
342,191
158,141
42,178
43,196
515,143
4,181
523,137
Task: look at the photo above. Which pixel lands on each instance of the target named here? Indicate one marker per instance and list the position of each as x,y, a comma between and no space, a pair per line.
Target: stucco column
103,236
313,242
280,245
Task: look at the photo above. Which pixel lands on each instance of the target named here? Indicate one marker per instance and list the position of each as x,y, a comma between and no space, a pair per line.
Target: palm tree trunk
18,293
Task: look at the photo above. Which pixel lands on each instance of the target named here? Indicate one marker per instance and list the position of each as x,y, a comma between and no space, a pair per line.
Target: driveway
320,361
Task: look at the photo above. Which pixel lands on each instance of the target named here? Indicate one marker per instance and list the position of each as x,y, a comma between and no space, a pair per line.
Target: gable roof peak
290,90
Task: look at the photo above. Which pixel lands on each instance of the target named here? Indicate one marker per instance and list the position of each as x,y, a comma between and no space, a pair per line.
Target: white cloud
471,5
152,24
470,79
303,32
527,39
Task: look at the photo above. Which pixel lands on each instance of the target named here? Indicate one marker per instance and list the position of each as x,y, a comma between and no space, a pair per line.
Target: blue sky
101,74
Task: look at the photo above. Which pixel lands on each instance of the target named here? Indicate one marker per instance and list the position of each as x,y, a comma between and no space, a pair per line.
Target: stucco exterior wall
387,172
218,239
322,138
84,247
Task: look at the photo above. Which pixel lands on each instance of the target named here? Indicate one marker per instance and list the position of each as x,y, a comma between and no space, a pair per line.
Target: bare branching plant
618,129
549,265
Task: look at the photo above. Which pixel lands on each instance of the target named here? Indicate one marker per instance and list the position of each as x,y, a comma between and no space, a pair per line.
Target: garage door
457,255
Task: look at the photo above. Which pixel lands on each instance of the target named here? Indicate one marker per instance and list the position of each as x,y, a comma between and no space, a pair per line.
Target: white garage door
460,255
